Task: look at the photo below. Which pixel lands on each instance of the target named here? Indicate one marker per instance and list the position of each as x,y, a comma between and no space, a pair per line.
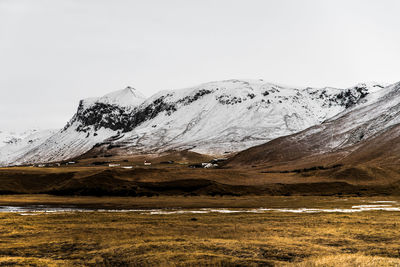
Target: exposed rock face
365,134
101,115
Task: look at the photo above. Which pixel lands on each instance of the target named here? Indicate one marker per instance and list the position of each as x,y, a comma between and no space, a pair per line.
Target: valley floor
136,238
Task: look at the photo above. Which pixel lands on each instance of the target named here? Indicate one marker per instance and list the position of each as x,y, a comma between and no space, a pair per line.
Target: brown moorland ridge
361,144
94,177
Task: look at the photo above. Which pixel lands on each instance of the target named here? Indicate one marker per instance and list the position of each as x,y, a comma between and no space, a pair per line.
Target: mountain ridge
212,118
365,136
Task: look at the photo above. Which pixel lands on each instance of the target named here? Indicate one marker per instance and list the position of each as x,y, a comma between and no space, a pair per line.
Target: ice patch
383,201
369,206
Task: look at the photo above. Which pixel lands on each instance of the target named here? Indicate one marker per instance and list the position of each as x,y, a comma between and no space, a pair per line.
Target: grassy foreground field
215,239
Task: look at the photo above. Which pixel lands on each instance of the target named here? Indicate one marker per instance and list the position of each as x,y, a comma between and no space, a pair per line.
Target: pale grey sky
55,52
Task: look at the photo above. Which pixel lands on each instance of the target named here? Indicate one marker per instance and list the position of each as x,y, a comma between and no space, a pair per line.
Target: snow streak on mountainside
212,118
365,132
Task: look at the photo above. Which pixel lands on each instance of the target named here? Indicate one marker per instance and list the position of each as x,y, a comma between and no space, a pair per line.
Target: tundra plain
119,228
136,238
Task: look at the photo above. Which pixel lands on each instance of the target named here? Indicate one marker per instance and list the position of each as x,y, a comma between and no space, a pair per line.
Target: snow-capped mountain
212,118
106,113
15,144
16,137
9,137
365,133
231,115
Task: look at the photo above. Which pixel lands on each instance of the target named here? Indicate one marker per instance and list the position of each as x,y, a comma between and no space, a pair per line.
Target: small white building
147,163
210,165
113,165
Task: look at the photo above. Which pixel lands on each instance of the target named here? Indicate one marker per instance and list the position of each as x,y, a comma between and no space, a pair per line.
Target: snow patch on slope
128,97
9,137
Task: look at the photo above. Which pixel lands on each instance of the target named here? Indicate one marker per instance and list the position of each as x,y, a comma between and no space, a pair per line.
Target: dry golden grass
240,239
346,260
30,261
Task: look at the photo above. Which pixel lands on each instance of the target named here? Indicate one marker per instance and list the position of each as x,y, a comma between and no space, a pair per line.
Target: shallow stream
47,209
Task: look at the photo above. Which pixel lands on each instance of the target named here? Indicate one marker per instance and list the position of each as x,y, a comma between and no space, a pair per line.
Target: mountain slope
366,136
213,118
95,120
9,137
16,144
232,115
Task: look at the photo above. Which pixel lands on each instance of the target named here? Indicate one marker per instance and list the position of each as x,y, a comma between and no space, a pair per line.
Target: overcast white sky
55,52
